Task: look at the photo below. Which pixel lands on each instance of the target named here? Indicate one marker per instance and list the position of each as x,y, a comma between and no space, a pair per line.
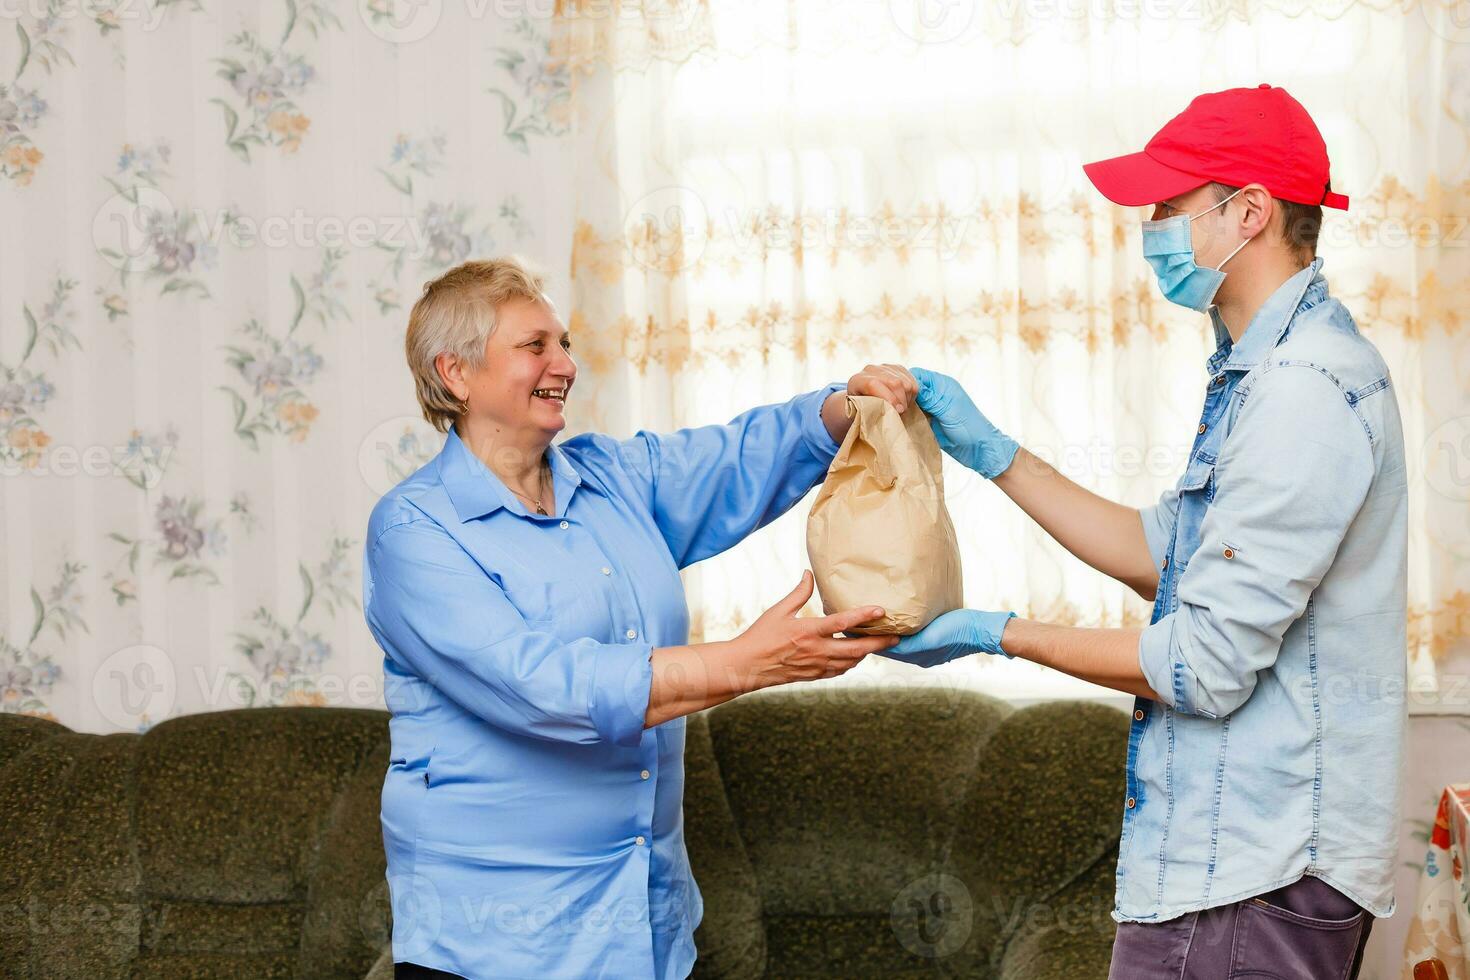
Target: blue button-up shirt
533,827
1278,641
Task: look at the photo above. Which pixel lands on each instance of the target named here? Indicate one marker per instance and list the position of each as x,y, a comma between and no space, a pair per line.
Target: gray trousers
1307,930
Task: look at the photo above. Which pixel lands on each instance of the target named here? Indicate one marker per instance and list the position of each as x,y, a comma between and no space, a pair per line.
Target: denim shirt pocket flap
1197,474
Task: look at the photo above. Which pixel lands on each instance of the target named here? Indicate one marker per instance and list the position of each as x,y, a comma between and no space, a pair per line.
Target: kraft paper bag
879,533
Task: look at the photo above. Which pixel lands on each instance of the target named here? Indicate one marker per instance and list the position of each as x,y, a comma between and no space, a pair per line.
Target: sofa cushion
844,796
230,804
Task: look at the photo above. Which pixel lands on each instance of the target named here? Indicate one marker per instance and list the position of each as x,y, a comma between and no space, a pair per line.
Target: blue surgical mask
1169,249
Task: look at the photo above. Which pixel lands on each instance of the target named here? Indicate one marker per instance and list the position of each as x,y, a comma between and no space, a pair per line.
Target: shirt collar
1307,288
476,491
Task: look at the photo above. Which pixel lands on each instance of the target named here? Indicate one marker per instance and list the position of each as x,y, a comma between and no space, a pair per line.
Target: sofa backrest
832,831
846,801
231,843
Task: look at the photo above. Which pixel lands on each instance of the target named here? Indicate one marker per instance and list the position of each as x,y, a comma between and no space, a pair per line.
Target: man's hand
962,429
954,634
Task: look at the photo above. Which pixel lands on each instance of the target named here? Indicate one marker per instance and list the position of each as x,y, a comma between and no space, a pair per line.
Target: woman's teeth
554,394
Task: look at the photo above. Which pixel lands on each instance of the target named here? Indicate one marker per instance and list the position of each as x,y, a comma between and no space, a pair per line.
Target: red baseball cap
1239,136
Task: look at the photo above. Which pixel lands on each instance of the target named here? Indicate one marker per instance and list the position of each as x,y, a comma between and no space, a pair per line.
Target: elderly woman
528,600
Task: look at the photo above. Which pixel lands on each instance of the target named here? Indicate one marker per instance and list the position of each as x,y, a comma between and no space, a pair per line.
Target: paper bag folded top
878,532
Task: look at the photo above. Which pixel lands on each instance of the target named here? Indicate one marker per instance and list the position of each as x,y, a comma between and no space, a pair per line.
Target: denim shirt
1277,644
533,826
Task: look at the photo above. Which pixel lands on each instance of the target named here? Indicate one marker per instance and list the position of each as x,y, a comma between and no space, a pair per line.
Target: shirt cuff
1166,671
622,676
813,429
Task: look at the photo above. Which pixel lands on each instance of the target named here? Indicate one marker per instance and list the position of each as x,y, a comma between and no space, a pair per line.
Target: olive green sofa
833,832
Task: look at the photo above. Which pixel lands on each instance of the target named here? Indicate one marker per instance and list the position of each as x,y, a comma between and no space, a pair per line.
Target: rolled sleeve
710,486
436,613
1291,476
1158,524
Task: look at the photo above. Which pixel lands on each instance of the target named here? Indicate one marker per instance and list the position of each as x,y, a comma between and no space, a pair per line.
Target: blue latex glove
962,430
954,634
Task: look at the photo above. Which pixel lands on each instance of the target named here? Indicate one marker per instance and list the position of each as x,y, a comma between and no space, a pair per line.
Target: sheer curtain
771,194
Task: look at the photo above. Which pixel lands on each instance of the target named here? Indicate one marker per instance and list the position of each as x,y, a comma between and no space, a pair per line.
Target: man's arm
1106,535
1110,537
1107,657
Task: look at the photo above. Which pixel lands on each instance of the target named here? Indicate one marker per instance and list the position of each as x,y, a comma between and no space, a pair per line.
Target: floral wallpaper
214,217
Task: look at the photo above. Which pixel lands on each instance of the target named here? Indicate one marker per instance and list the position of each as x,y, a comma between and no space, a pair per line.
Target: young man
1263,770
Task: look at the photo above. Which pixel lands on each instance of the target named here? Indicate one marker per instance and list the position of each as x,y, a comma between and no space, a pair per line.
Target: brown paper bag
879,533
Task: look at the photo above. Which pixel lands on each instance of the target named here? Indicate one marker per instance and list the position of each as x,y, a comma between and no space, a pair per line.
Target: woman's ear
451,373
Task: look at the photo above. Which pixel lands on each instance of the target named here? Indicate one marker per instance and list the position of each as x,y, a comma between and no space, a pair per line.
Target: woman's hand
783,647
891,382
962,429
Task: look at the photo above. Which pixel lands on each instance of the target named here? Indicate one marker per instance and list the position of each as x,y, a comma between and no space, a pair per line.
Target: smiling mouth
558,395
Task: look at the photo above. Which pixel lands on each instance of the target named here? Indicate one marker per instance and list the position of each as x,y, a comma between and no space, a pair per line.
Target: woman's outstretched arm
778,648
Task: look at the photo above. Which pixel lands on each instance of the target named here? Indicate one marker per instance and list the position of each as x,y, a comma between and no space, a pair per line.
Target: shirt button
606,570
1202,428
643,774
565,525
1138,715
1229,552
639,840
1166,562
631,634
1131,804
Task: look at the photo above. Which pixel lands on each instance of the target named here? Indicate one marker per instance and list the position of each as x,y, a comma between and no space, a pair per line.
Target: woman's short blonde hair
457,314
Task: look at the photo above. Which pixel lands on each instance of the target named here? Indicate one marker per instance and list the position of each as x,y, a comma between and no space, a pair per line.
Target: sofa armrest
1070,935
1044,812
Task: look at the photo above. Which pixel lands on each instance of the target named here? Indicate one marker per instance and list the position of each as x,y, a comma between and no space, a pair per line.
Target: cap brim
1138,179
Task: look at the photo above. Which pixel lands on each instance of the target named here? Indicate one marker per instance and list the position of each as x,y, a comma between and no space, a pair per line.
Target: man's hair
1300,223
457,314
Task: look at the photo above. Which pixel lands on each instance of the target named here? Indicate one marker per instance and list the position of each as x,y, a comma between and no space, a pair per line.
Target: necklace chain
541,486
